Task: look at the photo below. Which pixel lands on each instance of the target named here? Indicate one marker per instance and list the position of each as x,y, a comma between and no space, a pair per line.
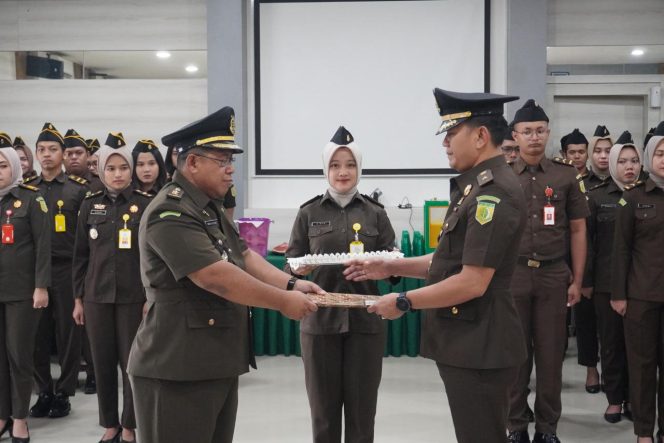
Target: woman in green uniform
25,273
342,349
638,289
107,285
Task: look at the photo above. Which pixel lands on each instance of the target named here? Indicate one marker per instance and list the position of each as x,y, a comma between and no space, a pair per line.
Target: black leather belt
532,263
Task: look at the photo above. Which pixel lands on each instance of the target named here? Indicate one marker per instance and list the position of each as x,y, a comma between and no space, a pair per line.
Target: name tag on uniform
549,215
321,223
608,205
213,222
644,206
98,212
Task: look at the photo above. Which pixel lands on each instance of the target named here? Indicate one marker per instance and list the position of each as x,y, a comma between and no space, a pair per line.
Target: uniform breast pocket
320,238
645,213
447,233
465,312
211,318
606,215
369,237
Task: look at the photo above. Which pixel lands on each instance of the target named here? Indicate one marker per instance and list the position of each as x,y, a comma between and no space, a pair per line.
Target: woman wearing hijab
149,168
25,273
342,349
107,284
26,157
638,289
624,165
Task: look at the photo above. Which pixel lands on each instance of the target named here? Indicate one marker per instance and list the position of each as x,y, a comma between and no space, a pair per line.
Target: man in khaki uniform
543,284
199,277
470,326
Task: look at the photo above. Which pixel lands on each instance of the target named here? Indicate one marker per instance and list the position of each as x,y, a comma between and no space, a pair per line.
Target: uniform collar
613,187
14,192
650,185
60,178
199,197
521,165
327,196
125,193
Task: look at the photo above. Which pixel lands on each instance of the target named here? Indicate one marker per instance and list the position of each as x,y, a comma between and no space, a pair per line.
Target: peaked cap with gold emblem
93,145
457,107
115,140
145,146
50,134
216,131
74,140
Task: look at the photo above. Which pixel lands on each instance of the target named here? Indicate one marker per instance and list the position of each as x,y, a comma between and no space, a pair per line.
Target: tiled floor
412,407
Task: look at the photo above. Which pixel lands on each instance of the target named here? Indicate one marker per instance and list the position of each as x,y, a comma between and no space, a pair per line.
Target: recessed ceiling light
191,68
163,54
638,52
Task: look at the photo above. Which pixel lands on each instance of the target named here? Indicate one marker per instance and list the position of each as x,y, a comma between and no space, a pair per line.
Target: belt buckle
533,263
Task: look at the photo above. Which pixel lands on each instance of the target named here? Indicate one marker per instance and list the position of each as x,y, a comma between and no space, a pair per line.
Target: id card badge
7,234
124,235
356,246
549,215
60,222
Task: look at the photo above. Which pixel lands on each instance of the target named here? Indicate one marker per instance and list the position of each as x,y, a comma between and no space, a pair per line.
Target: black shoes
20,439
593,389
518,437
60,406
7,427
613,418
43,405
115,439
90,386
545,438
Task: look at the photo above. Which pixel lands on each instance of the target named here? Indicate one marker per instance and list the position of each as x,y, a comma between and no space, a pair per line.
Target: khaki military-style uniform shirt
638,244
71,190
188,333
603,202
540,241
102,271
25,264
324,227
482,227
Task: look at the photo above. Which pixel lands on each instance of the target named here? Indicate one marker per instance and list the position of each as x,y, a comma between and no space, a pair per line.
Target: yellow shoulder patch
170,214
582,186
42,204
484,212
29,187
77,179
233,191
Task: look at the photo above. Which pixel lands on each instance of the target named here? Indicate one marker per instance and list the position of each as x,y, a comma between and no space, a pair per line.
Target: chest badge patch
484,212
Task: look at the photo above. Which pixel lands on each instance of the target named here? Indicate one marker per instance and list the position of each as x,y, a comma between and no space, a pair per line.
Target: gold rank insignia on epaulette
631,186
77,179
485,177
29,179
143,193
308,202
93,194
30,187
599,185
375,202
562,161
176,193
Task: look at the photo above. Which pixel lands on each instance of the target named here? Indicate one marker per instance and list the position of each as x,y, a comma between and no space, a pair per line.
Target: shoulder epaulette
29,179
636,184
308,202
485,177
31,188
599,185
93,194
77,179
143,193
375,202
176,193
562,161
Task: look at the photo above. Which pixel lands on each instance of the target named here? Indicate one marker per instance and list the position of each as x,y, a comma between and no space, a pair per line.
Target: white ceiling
140,64
603,55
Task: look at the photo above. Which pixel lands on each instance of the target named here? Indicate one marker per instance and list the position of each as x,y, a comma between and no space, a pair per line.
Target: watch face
403,304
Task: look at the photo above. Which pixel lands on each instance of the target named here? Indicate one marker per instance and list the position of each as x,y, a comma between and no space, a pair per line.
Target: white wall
137,108
47,25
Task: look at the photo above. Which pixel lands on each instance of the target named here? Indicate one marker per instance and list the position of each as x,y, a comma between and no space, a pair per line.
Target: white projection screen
370,66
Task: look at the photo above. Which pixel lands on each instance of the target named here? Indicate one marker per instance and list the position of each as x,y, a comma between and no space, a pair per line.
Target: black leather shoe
593,389
90,386
545,438
613,418
43,405
60,407
20,439
518,437
116,438
627,411
7,427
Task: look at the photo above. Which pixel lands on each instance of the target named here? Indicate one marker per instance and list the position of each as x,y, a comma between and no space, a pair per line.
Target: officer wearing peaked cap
556,229
76,159
199,277
470,326
64,195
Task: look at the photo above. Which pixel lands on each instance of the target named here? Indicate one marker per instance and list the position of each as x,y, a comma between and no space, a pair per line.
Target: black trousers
185,411
342,373
586,332
67,334
18,327
479,402
111,329
612,349
644,337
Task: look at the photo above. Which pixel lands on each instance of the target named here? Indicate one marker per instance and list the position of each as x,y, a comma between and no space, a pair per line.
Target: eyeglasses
223,163
510,149
528,133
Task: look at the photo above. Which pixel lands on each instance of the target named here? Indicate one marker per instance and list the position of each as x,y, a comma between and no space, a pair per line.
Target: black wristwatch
403,304
291,284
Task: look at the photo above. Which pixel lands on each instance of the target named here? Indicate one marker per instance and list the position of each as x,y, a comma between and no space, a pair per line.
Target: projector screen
370,66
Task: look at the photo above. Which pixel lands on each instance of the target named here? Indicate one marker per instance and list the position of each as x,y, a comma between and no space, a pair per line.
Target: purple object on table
255,231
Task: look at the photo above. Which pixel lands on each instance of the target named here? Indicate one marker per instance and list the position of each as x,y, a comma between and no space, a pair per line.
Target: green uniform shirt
188,333
25,264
